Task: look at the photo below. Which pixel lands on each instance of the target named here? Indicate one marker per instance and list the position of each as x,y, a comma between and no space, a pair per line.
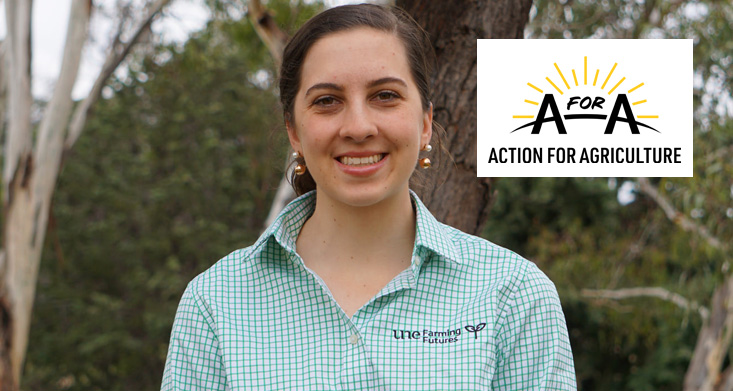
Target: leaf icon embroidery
475,329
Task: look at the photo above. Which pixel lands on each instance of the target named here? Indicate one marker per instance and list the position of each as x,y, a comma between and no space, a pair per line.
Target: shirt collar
431,236
286,227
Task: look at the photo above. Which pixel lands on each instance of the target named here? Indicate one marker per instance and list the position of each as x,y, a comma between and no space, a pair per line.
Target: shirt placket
357,369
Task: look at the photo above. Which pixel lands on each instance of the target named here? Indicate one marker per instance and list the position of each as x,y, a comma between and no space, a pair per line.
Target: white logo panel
585,108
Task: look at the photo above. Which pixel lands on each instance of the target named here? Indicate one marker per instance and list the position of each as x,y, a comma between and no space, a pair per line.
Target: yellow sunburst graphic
557,86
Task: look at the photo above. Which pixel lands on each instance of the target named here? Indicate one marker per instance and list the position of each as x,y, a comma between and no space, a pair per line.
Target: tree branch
116,55
268,31
632,253
657,292
275,39
718,154
50,138
676,217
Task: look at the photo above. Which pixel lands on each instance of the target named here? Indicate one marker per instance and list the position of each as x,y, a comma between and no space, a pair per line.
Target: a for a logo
475,329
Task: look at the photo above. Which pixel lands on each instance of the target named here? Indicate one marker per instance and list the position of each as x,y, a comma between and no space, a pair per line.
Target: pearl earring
425,163
300,167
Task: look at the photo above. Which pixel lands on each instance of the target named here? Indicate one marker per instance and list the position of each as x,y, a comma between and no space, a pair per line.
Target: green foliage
592,242
577,232
175,170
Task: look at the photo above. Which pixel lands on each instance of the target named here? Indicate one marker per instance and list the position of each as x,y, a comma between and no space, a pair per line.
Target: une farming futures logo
622,108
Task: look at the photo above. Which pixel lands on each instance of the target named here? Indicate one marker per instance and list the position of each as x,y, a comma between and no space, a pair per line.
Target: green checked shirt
466,315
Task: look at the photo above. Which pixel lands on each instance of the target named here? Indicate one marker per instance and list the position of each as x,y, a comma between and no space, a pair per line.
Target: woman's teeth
360,161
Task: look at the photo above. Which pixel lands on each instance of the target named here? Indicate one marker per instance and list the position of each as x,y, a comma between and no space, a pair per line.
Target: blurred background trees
175,170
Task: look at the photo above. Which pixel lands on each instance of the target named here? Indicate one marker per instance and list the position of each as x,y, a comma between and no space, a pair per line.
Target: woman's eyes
386,96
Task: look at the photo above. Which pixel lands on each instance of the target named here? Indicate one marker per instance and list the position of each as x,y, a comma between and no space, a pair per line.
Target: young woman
356,286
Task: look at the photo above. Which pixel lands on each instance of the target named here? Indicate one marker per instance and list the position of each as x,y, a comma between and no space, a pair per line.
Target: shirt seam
508,307
206,315
197,302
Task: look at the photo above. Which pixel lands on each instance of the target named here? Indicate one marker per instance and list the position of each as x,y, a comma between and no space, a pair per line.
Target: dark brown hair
420,57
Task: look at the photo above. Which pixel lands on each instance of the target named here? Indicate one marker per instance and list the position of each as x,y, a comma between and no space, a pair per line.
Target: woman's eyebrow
373,83
324,86
386,80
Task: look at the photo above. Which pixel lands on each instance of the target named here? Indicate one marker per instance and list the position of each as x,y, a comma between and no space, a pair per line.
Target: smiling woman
356,285
358,119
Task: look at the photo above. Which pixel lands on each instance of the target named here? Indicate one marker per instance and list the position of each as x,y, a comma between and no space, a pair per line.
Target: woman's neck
355,236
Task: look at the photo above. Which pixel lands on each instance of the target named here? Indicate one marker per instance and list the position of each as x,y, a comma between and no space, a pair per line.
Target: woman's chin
362,196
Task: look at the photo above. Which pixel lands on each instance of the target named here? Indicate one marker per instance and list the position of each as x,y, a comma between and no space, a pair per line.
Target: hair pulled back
420,55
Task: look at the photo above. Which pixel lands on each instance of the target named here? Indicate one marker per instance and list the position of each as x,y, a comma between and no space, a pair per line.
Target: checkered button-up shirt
466,315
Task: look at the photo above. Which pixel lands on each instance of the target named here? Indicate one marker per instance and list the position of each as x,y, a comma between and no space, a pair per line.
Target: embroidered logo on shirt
437,337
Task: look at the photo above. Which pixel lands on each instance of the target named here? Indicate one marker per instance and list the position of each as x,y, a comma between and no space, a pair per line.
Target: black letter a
621,100
548,100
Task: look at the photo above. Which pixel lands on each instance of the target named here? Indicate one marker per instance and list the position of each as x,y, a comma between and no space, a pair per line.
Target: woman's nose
358,123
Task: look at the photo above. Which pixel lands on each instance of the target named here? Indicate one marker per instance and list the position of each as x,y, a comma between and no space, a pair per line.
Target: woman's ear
292,134
427,128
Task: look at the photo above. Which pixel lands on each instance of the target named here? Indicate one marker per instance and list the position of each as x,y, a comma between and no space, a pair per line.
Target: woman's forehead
355,55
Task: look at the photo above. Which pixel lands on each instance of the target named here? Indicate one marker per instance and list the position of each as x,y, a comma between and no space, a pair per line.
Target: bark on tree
18,76
713,342
455,196
275,40
30,173
269,32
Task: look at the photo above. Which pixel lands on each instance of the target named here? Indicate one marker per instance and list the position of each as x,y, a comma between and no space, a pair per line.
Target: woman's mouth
360,161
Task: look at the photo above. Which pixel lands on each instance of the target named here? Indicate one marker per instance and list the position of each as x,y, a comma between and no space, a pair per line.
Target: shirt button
353,339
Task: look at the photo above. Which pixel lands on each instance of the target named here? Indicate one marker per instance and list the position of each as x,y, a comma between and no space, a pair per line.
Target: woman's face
358,119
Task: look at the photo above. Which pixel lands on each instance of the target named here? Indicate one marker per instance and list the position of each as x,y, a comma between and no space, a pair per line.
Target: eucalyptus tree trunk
29,177
32,161
456,196
275,40
17,206
713,344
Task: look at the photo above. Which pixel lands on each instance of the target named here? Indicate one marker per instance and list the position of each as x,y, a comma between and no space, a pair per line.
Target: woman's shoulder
226,271
483,257
485,261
